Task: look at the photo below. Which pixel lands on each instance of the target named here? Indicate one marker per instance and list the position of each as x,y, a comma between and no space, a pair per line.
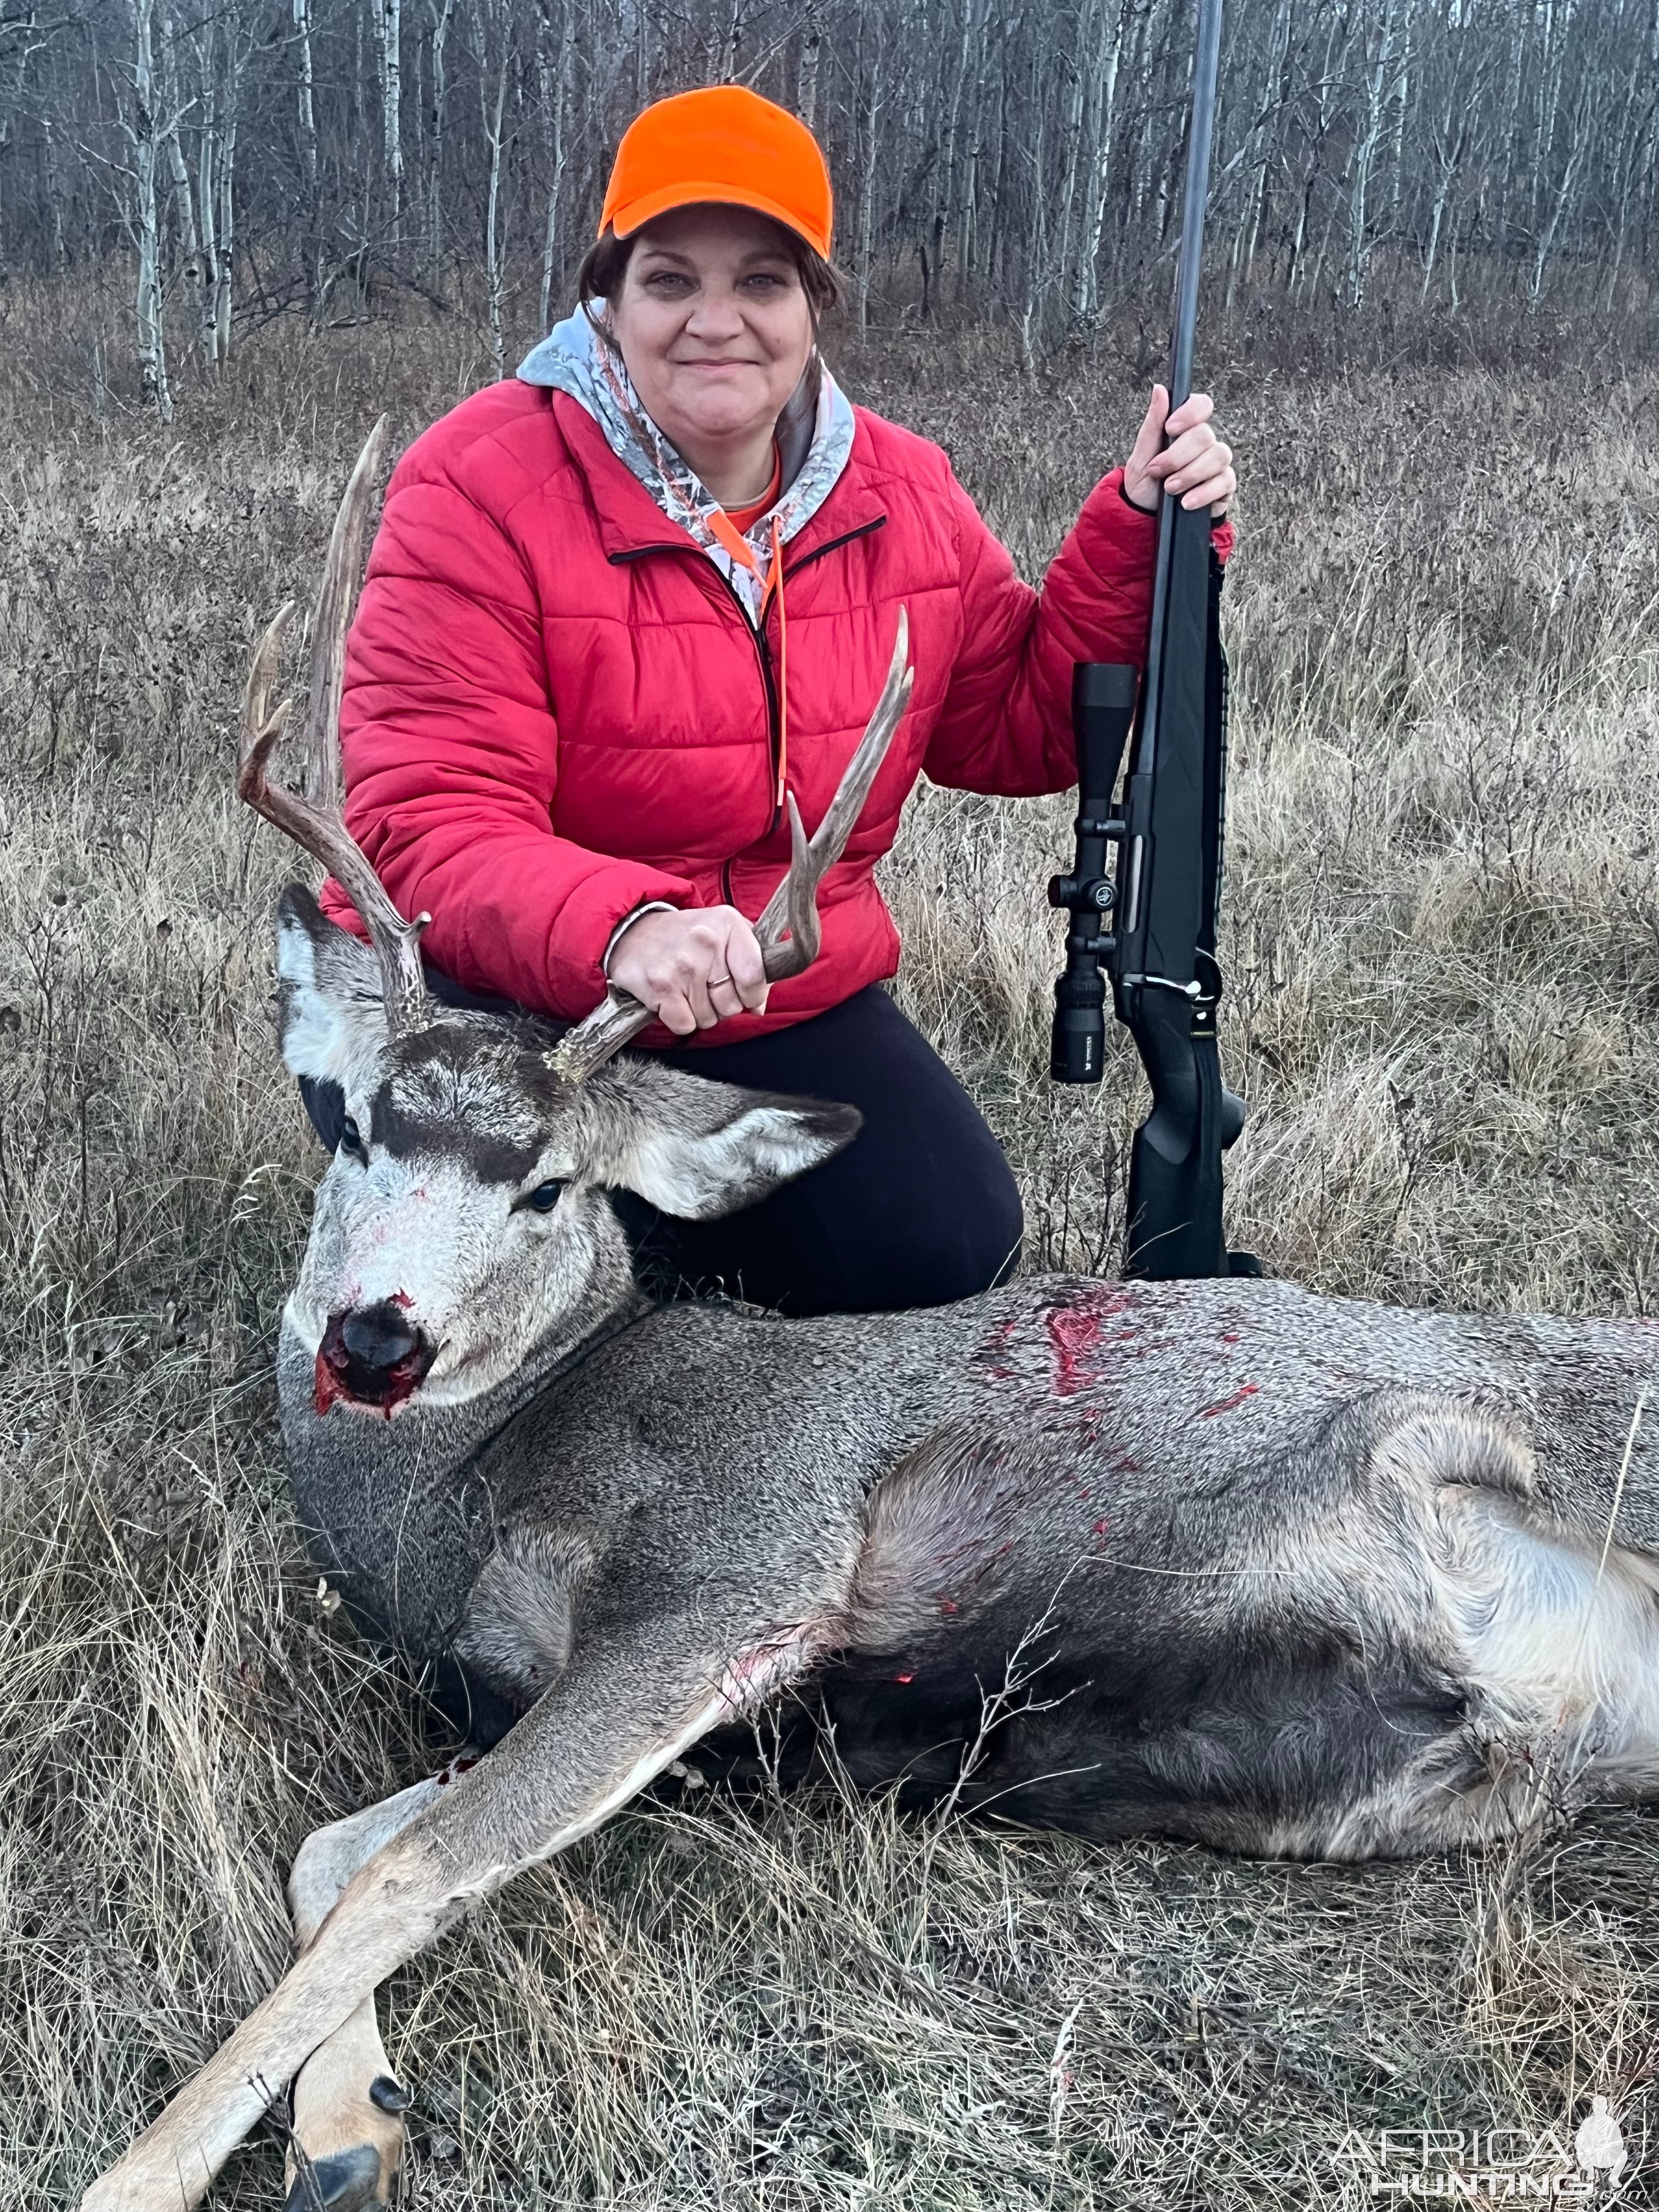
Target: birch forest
242,159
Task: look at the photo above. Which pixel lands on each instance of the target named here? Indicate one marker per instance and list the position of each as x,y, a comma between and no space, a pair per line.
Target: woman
617,607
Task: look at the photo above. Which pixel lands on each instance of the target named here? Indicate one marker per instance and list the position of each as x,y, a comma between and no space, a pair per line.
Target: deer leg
346,2106
628,1707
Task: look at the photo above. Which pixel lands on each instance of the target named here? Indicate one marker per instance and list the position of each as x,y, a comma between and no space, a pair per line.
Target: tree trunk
1562,195
194,269
388,42
1085,297
1381,86
224,261
867,190
1065,227
495,272
554,100
442,10
1276,96
806,88
308,94
142,132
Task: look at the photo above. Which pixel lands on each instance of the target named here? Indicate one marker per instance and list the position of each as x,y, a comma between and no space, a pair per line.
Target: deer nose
373,1354
377,1337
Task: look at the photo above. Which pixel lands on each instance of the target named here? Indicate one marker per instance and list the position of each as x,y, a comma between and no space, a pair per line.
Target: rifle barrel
1188,271
1206,64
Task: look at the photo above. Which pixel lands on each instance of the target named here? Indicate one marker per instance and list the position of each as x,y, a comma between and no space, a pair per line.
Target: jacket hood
814,445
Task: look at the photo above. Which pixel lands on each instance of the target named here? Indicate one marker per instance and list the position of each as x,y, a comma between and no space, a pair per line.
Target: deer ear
331,1003
697,1149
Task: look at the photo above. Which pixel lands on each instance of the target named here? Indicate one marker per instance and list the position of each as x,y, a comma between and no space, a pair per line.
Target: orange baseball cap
724,144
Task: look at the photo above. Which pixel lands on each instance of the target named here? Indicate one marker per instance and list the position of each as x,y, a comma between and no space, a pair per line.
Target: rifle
1160,951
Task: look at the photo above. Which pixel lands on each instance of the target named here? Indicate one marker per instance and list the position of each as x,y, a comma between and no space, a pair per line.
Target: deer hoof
345,2181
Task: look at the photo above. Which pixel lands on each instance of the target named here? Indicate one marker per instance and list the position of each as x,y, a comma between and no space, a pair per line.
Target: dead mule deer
1221,1559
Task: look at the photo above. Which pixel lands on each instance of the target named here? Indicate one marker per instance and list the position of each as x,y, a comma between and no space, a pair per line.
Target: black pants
920,1208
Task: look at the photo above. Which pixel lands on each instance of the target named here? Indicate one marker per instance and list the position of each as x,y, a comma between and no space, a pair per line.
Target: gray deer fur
1281,1573
1223,1560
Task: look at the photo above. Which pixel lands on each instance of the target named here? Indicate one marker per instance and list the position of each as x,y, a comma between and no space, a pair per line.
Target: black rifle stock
1161,952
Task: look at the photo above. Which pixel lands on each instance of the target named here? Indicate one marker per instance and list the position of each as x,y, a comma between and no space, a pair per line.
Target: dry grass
1444,932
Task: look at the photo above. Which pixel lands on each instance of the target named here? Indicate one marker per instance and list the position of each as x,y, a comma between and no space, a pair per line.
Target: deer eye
544,1197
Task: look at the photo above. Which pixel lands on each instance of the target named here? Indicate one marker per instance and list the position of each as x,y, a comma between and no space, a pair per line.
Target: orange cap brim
625,220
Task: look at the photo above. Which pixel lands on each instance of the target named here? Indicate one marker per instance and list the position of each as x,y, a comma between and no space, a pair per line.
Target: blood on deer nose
372,1356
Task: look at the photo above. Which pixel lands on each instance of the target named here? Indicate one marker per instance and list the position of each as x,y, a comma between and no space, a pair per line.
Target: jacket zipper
762,651
774,711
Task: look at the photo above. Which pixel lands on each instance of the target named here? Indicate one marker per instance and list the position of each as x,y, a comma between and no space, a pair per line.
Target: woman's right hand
692,969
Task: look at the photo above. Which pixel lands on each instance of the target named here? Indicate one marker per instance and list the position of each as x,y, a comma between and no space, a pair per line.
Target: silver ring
715,981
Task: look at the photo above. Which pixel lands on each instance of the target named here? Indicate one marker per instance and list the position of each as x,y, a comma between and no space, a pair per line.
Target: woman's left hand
1195,466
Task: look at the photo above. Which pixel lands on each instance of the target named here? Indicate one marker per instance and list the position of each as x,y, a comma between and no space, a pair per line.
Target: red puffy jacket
556,708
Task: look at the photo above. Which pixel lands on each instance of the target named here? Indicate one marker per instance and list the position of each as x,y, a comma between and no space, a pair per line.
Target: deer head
463,1221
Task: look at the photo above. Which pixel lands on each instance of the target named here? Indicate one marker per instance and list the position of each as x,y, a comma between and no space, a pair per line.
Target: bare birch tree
147,132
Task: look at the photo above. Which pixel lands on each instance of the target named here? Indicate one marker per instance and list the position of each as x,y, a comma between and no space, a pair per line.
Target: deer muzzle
372,1356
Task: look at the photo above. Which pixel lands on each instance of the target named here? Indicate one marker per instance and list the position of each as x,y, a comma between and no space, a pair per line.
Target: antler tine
336,598
314,821
788,927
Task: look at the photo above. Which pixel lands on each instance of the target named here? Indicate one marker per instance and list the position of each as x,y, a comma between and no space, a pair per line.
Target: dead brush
1445,963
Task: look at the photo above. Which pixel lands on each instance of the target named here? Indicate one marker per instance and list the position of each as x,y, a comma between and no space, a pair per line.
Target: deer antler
788,926
315,822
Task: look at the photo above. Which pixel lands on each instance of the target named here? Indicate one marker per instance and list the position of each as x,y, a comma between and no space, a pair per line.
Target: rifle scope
1102,709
